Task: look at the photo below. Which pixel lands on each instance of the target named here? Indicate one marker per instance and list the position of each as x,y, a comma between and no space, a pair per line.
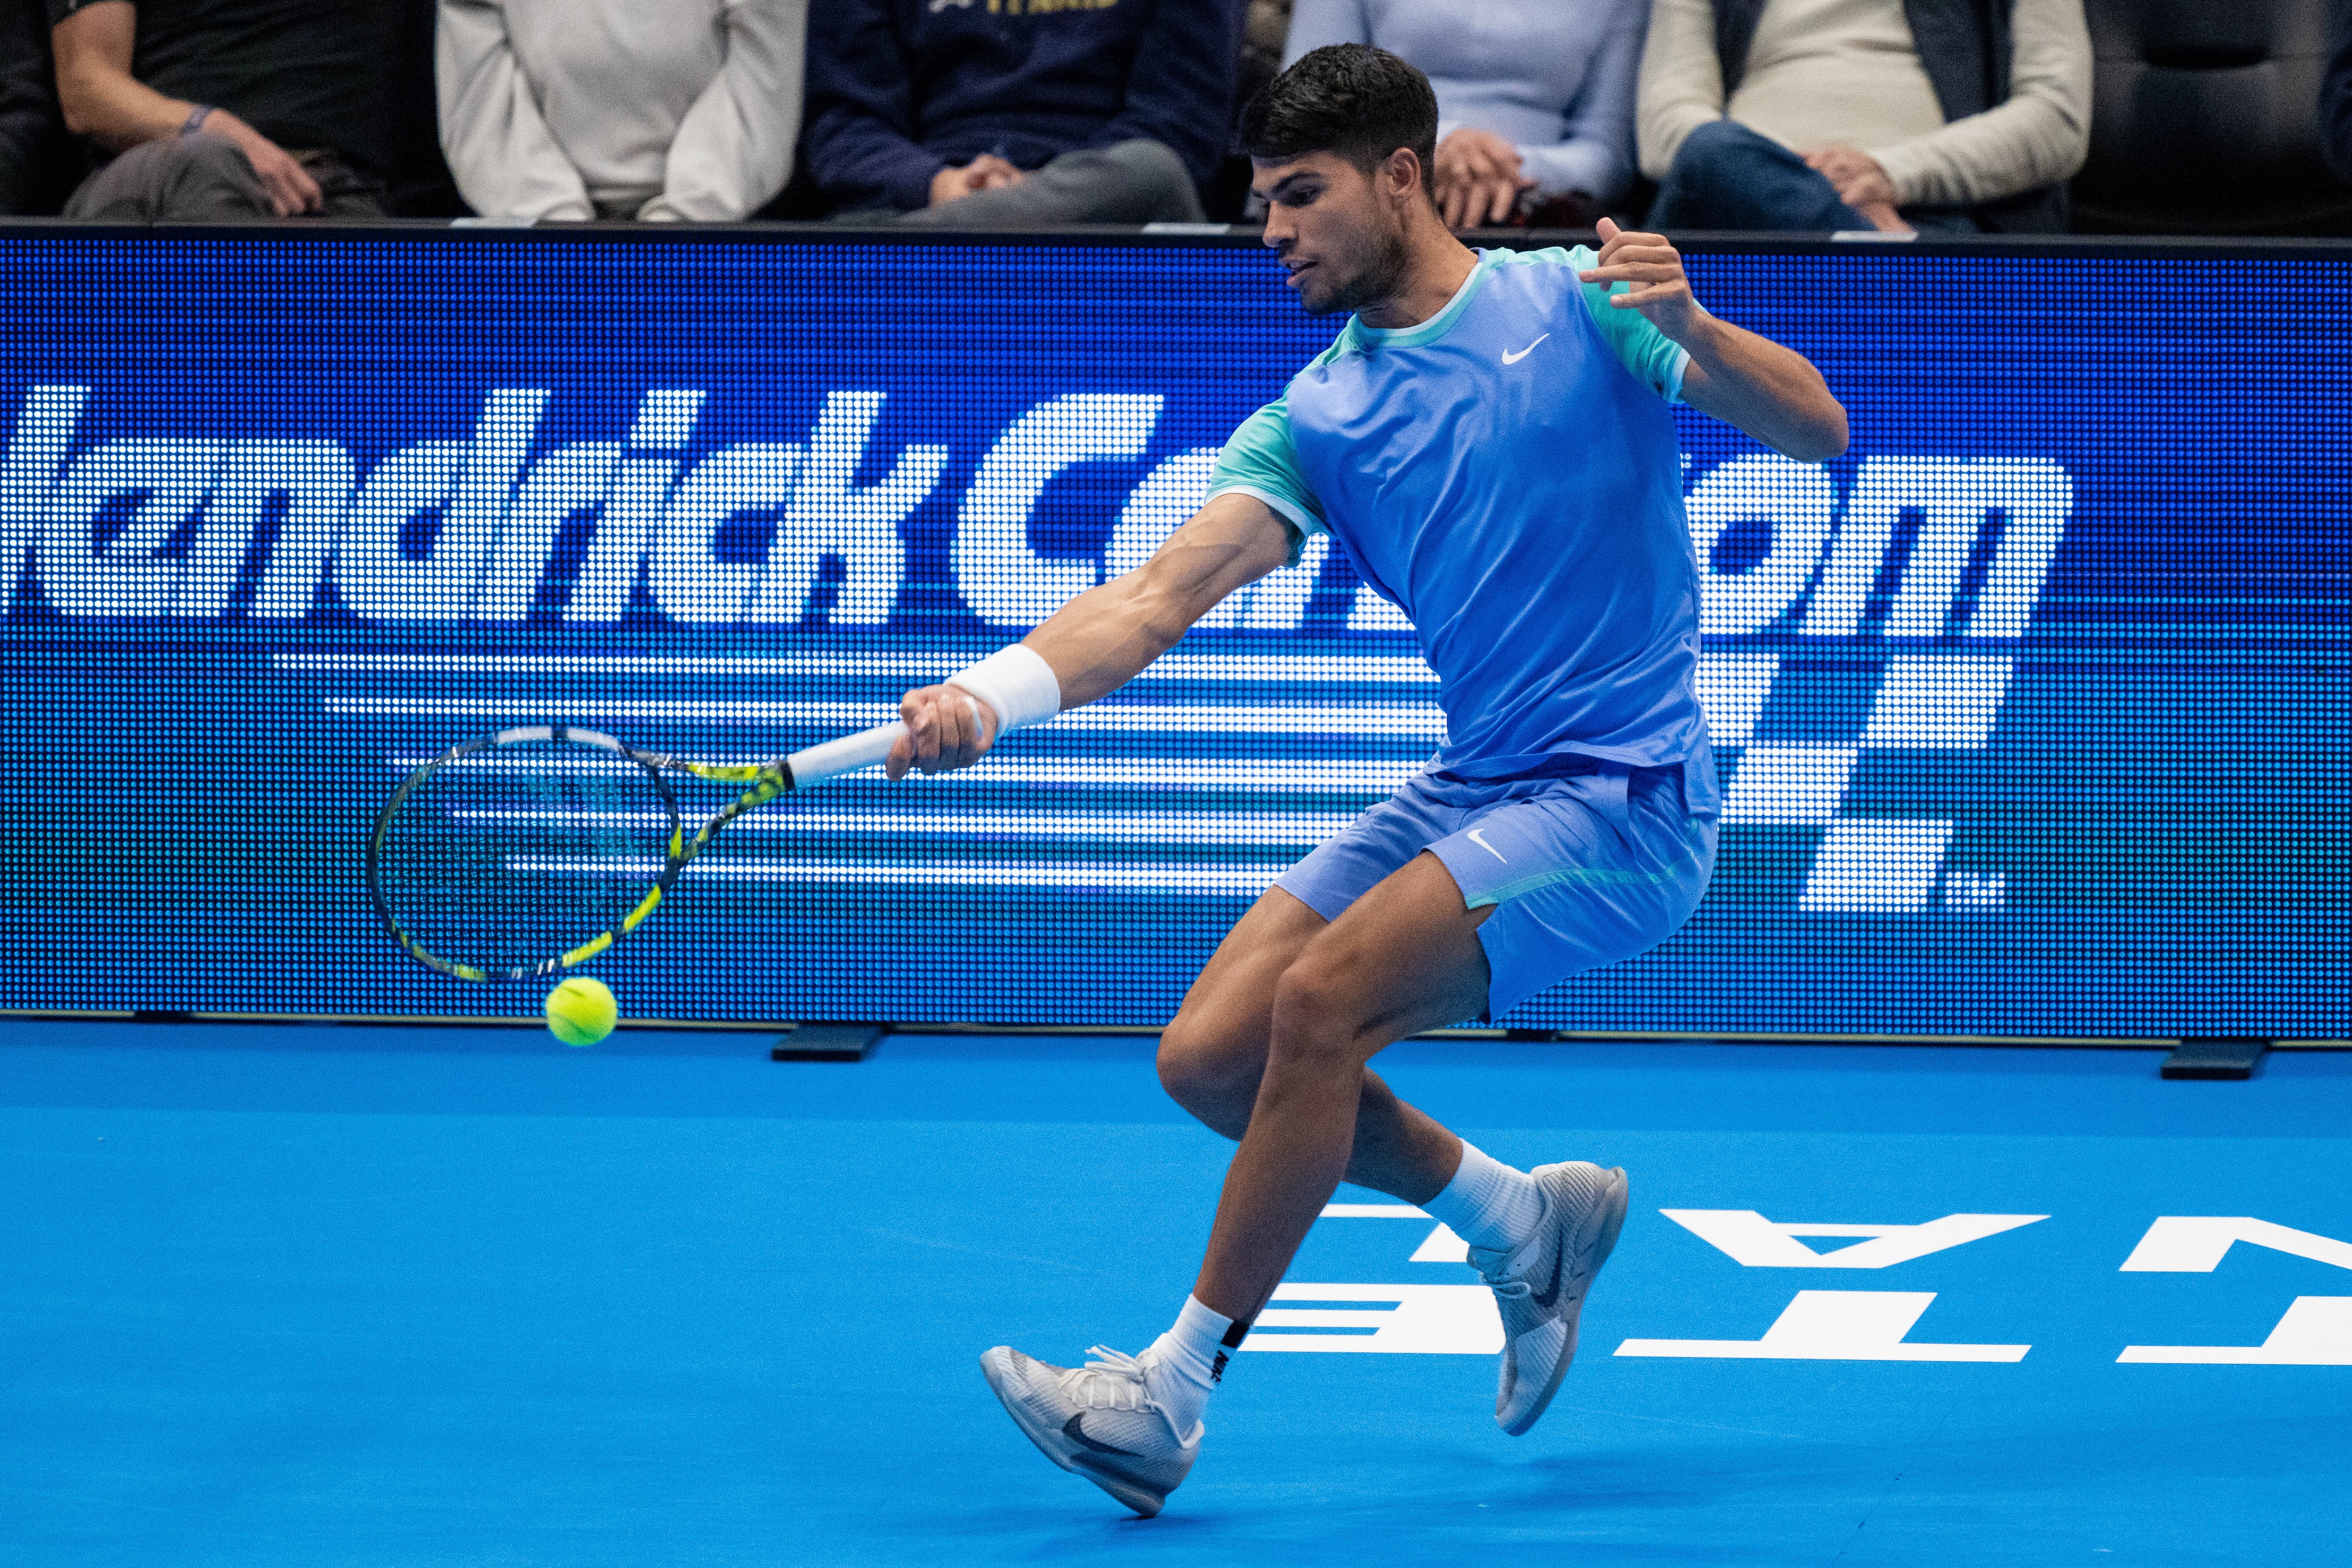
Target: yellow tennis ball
582,1011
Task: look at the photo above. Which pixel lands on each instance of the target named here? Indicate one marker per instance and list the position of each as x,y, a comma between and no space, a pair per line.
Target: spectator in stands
1265,28
1535,98
38,165
1006,114
229,109
2336,94
619,109
1858,114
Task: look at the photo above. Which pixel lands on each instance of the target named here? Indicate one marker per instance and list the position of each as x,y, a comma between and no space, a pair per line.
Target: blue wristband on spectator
196,119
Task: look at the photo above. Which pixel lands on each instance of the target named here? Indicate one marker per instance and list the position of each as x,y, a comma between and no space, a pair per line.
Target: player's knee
1313,1012
1186,1066
1204,1065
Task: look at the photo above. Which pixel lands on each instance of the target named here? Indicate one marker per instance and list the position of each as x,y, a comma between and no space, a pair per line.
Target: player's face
1342,244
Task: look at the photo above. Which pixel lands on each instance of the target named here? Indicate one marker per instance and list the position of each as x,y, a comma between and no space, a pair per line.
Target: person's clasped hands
985,172
1862,184
1478,179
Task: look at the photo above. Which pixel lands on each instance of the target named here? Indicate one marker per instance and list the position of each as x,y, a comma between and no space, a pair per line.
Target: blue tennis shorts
1590,863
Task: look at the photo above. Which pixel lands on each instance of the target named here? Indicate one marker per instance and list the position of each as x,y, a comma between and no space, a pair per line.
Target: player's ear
1401,175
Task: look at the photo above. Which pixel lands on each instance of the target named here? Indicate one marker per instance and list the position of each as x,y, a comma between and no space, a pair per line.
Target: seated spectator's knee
171,178
210,153
1707,154
1152,166
1159,187
203,156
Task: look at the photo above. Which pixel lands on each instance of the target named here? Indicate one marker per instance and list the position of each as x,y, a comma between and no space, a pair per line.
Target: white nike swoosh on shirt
1478,835
1511,359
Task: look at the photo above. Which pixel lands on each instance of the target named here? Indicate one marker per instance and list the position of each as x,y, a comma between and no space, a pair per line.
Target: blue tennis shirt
1507,472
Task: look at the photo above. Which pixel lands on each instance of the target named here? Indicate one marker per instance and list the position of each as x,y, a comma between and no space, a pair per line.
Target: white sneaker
1539,1286
1098,1421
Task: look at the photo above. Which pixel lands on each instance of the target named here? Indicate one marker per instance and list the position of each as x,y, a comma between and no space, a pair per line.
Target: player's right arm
1104,638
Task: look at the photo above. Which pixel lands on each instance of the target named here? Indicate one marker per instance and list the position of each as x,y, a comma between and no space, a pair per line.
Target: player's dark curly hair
1353,100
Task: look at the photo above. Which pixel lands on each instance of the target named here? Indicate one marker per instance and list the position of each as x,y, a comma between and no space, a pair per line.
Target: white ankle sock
1191,1361
1488,1204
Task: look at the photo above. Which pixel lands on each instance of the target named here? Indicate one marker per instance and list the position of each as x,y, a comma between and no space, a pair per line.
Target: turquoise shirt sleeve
1259,460
1656,360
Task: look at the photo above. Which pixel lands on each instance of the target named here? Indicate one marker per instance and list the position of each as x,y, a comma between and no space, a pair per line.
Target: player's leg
1539,880
1212,1054
1403,958
1550,879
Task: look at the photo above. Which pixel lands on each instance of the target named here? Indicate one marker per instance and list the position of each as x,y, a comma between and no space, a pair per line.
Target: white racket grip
847,755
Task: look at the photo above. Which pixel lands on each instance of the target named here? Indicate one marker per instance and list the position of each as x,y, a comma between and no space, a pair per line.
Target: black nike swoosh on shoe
1546,1297
1077,1433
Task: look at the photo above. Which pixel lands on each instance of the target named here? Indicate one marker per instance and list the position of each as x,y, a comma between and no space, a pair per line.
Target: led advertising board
2029,709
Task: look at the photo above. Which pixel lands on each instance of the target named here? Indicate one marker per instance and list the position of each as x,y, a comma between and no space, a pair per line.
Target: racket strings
510,858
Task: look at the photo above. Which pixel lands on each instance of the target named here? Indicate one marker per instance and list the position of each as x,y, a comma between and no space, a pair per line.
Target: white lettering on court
1752,1241
2196,1244
1833,1325
1420,1320
2315,1331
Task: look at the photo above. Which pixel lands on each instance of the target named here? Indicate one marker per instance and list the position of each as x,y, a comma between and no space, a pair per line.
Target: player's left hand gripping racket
524,852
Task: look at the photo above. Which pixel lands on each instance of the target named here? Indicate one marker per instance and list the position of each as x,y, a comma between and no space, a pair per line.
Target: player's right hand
946,728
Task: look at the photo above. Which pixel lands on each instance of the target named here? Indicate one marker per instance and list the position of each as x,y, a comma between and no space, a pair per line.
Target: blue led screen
2029,708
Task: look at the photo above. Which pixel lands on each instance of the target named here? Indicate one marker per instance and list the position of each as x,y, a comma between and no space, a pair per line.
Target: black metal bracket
827,1042
2227,1056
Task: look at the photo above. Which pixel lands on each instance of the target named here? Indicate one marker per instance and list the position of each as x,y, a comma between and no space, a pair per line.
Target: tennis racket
524,852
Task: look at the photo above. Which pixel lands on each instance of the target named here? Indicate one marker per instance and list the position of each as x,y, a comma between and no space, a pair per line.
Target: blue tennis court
303,1295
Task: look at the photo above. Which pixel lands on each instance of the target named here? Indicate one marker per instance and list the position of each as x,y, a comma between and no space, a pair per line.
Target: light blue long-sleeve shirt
1553,78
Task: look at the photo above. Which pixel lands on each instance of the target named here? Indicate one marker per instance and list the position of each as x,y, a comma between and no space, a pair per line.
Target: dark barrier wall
2032,708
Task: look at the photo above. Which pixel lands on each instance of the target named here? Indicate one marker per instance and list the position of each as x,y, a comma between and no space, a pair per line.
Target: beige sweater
1844,73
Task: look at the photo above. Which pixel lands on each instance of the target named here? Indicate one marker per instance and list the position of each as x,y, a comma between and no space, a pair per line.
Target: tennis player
1489,440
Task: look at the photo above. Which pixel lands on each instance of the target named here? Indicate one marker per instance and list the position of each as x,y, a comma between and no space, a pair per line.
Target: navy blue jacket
39,166
897,90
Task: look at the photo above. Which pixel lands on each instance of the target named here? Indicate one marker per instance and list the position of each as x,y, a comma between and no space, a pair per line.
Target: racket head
523,852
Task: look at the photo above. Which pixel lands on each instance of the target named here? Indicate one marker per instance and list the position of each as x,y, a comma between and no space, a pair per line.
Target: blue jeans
1727,176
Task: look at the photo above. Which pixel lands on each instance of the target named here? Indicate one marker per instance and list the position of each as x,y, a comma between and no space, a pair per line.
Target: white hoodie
581,109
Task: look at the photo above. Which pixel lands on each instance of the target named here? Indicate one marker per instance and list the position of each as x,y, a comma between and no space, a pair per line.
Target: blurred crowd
1889,115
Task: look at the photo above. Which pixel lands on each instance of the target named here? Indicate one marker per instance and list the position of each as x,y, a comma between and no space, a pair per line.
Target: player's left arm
1773,394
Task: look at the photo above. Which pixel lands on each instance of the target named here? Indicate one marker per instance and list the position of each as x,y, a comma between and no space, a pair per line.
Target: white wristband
1015,681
